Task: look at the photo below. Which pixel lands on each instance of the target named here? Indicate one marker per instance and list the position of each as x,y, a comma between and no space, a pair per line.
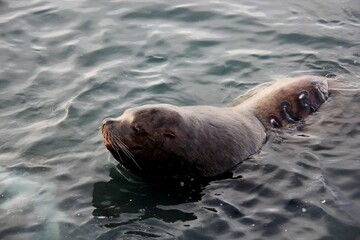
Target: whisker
127,152
116,141
117,152
123,147
123,175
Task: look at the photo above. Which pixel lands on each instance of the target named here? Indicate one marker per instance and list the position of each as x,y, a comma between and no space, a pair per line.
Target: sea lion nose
107,122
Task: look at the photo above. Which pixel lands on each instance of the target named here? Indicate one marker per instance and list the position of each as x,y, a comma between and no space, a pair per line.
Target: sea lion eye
136,129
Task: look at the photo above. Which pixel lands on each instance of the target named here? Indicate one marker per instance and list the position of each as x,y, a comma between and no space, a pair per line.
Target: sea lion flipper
275,122
306,103
304,100
288,113
322,92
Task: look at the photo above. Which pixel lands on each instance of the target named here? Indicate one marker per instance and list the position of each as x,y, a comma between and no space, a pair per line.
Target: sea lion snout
107,122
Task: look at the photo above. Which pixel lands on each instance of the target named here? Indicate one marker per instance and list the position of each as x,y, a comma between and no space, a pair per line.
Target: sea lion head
142,135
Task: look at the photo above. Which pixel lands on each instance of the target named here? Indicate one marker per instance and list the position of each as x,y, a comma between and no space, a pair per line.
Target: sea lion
204,141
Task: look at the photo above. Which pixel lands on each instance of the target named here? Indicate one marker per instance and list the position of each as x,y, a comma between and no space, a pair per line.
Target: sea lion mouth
107,141
107,144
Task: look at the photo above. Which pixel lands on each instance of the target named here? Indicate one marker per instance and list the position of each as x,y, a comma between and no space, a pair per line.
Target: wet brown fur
167,140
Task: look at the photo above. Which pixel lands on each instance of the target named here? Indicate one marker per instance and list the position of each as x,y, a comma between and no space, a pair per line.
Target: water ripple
66,65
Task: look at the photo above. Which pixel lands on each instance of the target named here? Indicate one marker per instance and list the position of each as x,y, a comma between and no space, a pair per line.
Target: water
66,65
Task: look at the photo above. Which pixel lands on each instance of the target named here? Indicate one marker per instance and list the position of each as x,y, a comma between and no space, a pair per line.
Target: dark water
66,65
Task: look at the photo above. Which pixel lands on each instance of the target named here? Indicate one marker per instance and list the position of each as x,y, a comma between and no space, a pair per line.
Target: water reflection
129,196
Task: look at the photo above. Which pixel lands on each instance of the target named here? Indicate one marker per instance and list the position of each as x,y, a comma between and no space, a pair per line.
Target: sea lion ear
169,133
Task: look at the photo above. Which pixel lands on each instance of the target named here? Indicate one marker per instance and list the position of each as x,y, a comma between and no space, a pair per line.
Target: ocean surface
66,65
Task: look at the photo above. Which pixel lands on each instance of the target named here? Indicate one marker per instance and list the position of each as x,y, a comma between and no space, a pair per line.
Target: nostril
107,121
